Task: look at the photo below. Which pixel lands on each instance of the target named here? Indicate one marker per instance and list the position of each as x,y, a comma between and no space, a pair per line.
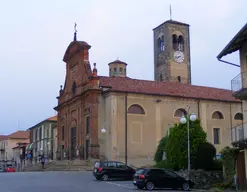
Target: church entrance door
73,143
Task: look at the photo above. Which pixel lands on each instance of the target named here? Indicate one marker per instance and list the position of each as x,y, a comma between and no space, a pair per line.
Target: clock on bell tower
172,52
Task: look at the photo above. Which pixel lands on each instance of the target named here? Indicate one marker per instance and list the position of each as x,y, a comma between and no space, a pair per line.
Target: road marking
120,185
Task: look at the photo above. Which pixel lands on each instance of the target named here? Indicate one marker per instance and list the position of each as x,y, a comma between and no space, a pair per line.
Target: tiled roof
117,61
3,137
19,135
54,118
174,89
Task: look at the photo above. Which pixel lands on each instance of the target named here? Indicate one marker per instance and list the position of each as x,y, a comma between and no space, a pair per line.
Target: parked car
112,169
151,178
10,168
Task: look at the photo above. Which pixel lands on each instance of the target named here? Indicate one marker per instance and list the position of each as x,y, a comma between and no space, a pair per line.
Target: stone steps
76,165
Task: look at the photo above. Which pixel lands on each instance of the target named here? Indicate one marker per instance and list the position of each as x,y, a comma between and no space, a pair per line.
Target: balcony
239,86
239,136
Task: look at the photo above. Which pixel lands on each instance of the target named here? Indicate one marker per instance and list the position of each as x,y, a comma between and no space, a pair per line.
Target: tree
177,144
204,157
160,149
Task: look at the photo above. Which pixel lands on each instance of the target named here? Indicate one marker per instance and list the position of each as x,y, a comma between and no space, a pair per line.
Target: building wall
11,145
145,131
41,137
16,154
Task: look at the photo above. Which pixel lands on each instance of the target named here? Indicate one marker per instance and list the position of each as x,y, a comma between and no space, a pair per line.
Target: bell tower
172,52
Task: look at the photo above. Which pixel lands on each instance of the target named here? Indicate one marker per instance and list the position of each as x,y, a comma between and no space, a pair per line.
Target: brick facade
77,100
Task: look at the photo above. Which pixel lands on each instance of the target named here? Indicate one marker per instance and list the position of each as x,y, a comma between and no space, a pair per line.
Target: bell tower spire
75,33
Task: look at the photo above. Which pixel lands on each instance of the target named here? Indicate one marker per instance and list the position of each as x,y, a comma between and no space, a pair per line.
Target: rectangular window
47,132
36,135
216,136
87,124
62,133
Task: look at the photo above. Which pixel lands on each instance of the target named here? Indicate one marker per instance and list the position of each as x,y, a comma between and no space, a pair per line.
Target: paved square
61,182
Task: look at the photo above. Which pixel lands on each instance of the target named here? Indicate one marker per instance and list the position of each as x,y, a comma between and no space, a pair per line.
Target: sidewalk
212,190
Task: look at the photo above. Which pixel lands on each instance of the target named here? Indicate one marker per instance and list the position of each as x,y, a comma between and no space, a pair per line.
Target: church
121,118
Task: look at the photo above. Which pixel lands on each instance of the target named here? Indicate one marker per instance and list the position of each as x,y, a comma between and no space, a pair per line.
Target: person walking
43,161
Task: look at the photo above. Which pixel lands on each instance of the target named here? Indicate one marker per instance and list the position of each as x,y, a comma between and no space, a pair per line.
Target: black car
151,178
112,169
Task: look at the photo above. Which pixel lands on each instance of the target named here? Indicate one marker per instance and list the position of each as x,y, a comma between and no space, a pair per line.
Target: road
60,182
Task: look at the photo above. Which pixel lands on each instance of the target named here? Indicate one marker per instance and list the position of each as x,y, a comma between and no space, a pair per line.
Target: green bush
167,165
204,158
177,144
229,156
217,165
160,149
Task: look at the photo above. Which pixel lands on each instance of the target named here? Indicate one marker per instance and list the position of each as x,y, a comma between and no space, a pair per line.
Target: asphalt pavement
60,182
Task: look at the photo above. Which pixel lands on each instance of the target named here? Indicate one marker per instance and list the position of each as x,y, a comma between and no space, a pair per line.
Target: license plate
134,181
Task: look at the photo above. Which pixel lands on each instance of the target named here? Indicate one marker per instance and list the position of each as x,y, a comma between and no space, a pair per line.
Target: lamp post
187,120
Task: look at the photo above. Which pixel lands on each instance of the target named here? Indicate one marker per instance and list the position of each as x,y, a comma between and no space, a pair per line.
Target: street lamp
184,120
103,130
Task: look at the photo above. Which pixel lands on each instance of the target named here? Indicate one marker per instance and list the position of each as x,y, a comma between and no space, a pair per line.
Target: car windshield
97,165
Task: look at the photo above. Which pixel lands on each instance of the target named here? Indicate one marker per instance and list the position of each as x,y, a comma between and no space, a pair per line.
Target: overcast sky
35,34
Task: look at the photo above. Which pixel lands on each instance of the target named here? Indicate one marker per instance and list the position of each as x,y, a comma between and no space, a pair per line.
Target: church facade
119,118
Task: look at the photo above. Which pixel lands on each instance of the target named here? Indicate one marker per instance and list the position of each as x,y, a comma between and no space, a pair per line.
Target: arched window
217,115
73,88
161,42
136,109
180,112
121,70
180,43
175,42
238,116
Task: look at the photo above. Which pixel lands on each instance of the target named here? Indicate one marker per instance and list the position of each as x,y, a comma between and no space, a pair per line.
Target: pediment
73,48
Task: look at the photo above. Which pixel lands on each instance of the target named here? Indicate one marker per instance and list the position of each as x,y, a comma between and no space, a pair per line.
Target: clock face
179,56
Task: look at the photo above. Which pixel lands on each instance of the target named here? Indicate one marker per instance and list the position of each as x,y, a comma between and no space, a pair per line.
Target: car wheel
104,177
149,186
185,186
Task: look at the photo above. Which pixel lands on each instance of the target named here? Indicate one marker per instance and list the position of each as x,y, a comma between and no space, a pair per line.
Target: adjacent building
136,114
41,139
12,142
19,154
3,147
239,91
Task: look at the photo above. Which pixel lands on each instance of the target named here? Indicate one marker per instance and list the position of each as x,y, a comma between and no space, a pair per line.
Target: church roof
117,61
174,89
